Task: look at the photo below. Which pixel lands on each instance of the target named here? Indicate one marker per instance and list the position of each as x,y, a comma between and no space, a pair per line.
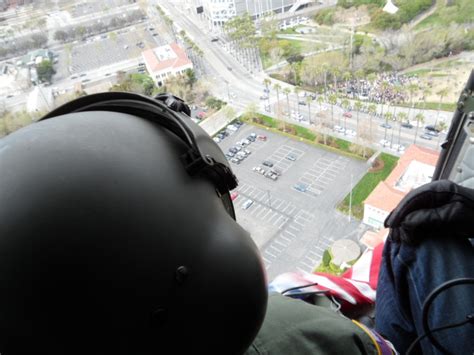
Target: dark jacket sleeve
438,209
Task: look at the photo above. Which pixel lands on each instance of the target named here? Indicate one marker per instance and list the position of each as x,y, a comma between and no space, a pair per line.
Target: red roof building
165,61
414,168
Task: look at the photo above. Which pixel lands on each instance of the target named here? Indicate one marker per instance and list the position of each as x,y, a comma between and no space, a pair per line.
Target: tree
332,101
190,75
308,102
420,119
267,82
442,125
287,92
402,117
346,76
372,111
345,105
277,88
45,71
60,35
357,107
320,100
412,89
442,94
388,116
296,90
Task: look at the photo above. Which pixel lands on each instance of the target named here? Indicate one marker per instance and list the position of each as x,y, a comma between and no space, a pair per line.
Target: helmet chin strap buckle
197,164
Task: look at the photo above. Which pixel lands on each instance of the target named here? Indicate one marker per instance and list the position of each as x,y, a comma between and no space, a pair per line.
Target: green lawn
461,11
366,185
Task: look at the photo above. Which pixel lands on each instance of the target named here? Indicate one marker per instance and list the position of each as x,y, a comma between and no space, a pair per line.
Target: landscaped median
309,136
383,166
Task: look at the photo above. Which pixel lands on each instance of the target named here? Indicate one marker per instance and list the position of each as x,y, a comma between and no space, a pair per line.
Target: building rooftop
414,168
167,56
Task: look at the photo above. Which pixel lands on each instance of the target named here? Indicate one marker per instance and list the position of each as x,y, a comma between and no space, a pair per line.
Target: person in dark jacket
428,245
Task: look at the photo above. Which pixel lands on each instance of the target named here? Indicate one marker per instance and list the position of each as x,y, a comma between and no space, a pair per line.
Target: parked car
234,195
247,204
229,154
407,125
350,132
300,187
264,97
339,129
262,137
426,136
216,139
291,157
268,163
347,114
271,175
248,152
251,138
302,103
276,171
384,143
431,128
432,133
235,160
259,170
386,125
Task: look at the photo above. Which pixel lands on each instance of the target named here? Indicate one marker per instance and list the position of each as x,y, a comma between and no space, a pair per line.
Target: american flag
356,287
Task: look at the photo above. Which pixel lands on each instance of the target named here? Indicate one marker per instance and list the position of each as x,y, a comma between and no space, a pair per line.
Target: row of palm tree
390,109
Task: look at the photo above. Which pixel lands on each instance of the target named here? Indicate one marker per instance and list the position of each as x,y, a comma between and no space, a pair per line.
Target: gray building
217,12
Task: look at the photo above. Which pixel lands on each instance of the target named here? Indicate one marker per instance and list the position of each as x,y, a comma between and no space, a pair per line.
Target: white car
247,204
216,139
350,132
398,148
384,143
339,129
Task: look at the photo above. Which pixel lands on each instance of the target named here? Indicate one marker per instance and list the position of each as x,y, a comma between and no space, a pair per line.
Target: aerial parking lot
287,194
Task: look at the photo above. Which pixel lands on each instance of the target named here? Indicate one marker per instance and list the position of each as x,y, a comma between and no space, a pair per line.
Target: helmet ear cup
110,244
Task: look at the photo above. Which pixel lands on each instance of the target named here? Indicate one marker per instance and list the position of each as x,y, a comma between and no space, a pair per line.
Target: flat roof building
166,61
414,168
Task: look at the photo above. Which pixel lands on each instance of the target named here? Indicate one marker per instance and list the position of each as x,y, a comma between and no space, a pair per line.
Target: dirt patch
354,15
377,166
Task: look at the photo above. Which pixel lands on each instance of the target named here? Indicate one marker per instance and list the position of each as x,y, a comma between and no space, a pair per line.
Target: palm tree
325,70
442,125
308,102
277,88
402,117
388,116
384,87
371,78
287,91
335,73
372,110
420,119
296,90
332,101
320,100
346,76
412,89
266,82
442,94
345,105
357,107
359,74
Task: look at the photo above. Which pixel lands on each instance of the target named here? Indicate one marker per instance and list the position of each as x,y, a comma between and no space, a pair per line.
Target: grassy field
366,185
462,11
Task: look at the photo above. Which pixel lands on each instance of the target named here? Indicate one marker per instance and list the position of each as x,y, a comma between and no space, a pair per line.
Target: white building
166,61
414,168
217,12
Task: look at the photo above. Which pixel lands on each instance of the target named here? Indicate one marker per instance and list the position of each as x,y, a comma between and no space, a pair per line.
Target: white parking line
285,238
281,243
294,228
275,248
266,214
263,210
256,209
267,252
310,267
280,202
291,233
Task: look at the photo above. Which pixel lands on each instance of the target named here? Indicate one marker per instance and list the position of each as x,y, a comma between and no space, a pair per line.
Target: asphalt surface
292,228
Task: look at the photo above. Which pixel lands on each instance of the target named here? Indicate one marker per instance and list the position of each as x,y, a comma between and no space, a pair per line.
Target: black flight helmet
118,235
